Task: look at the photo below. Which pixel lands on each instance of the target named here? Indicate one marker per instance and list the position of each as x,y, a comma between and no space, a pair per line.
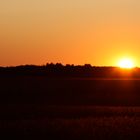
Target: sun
126,63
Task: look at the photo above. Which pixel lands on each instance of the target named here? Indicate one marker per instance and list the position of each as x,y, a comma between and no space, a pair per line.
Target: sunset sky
99,32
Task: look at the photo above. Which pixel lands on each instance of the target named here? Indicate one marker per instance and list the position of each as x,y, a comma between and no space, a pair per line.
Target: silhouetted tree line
60,70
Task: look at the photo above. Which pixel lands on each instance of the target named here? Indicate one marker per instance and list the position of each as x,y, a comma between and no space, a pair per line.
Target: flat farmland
67,122
70,108
70,91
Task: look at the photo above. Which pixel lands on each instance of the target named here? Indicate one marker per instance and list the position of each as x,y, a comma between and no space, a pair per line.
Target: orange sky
99,32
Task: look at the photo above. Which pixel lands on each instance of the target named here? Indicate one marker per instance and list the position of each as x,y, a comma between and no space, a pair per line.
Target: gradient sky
99,32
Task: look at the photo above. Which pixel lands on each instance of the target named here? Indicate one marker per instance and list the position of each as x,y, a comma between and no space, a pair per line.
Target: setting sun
126,63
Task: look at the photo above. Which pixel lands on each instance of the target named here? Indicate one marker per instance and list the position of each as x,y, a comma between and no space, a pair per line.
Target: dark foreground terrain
81,122
69,108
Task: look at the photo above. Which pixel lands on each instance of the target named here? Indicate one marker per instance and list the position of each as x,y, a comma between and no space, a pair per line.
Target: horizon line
88,64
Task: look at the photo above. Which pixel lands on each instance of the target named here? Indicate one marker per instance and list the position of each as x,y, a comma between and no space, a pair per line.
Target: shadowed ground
69,108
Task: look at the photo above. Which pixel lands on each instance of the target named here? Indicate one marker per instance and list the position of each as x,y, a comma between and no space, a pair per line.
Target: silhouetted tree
60,70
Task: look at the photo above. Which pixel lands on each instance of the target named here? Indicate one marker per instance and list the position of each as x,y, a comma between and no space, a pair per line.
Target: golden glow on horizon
96,32
126,63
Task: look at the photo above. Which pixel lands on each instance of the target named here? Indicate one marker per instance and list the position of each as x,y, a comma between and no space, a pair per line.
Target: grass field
83,122
68,91
37,107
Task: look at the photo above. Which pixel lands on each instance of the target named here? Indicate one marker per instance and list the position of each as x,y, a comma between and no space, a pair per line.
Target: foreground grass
75,123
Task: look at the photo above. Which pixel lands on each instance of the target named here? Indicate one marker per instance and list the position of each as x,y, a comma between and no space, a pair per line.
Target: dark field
38,107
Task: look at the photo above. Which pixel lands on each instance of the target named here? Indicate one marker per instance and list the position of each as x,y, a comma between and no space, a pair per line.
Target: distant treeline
58,70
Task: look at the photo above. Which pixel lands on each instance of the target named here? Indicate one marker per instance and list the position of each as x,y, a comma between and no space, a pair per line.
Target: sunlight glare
126,63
